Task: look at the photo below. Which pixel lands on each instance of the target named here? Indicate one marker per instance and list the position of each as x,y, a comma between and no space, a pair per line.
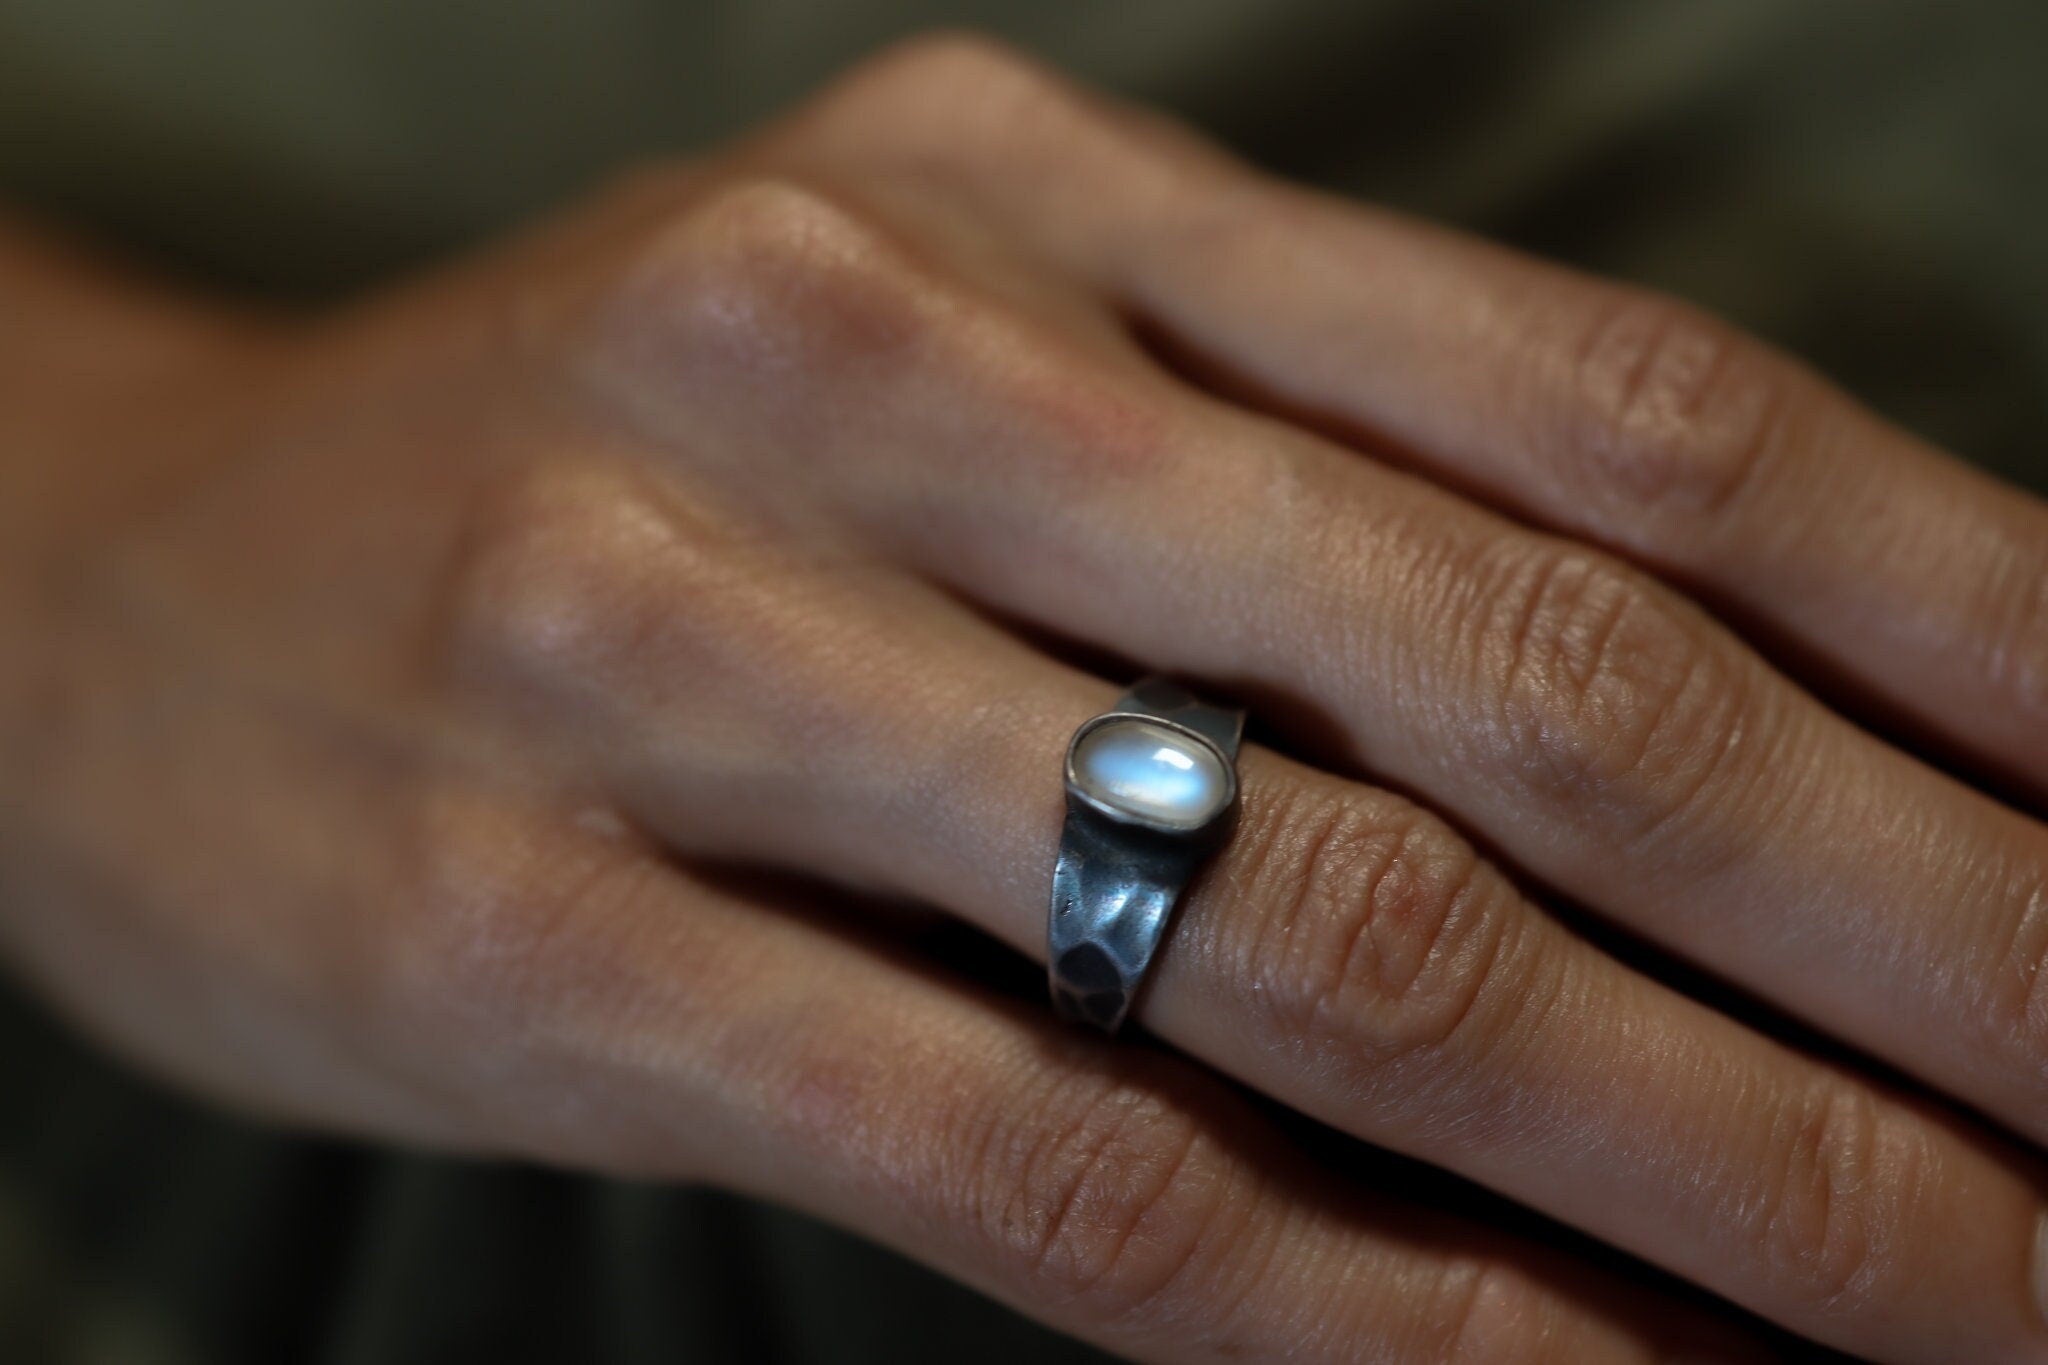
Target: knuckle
484,937
1113,1201
1826,1226
551,583
1382,935
519,945
758,285
1670,413
1606,697
584,599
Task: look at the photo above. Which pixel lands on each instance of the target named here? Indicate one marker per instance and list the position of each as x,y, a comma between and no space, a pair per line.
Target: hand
403,752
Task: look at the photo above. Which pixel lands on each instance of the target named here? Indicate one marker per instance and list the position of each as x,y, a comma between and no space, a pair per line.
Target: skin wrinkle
1247,1269
1523,1104
2021,963
1690,421
1048,1228
1197,1231
1051,1242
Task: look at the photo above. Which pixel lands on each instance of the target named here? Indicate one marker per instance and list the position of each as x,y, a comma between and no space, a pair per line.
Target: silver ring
1151,793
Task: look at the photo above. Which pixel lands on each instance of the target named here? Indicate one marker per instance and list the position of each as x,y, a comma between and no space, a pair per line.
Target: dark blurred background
1863,181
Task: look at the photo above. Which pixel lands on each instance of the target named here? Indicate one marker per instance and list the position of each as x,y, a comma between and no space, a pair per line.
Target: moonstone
1151,774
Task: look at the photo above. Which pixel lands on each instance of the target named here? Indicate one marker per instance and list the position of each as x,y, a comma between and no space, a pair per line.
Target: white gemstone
1151,774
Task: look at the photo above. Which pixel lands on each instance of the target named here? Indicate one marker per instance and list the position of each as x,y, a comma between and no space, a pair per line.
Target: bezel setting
1077,793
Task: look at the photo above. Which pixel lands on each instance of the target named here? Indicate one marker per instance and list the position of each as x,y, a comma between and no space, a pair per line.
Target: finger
1348,955
1603,733
1625,417
1606,411
667,1026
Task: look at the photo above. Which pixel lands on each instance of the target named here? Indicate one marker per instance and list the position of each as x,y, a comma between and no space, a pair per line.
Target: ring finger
674,1025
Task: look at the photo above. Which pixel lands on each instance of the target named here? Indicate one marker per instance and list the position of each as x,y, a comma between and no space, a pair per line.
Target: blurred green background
1863,181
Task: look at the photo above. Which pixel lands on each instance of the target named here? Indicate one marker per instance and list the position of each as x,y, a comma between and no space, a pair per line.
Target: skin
503,715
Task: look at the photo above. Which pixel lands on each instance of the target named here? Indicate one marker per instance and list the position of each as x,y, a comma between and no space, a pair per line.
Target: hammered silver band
1151,794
